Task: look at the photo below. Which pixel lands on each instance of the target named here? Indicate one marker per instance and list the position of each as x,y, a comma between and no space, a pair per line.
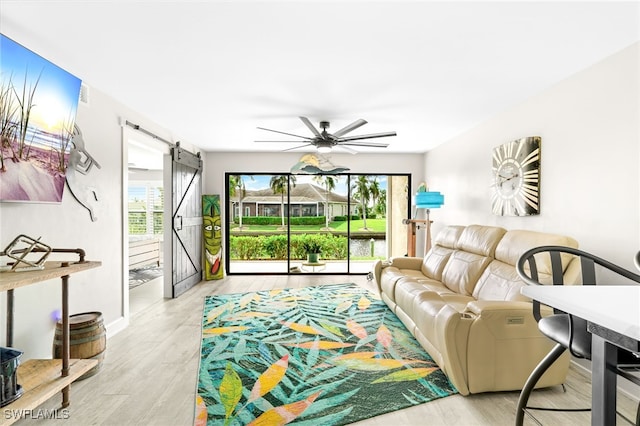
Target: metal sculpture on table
20,248
82,162
212,235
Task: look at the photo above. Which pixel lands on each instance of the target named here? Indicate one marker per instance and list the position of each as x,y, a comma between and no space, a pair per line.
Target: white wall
590,181
68,225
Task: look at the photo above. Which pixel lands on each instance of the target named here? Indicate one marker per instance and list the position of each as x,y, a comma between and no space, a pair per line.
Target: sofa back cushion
480,239
500,281
474,251
462,271
443,245
516,242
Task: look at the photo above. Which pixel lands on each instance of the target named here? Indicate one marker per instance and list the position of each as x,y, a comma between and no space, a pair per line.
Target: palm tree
329,183
237,188
381,206
278,185
360,189
374,190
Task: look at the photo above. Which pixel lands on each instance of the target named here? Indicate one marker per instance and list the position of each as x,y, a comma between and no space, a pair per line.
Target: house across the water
305,199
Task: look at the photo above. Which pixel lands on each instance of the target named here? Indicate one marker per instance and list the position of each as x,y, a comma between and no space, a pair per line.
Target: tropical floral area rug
324,355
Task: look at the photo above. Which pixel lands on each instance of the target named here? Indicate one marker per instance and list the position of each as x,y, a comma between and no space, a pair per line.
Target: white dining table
612,313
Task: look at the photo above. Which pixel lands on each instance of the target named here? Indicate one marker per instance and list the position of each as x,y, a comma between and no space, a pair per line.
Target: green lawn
373,225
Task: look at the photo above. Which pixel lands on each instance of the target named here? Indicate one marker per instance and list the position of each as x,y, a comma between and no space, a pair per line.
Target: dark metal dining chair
568,331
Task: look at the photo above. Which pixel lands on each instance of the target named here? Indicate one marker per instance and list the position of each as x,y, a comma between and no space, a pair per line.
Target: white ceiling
213,71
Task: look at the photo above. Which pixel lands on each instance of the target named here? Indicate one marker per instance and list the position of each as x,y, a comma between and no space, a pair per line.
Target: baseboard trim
116,326
625,387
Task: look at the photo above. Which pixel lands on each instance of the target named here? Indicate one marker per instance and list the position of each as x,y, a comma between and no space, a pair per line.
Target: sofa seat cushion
408,289
390,277
433,285
426,307
458,302
433,314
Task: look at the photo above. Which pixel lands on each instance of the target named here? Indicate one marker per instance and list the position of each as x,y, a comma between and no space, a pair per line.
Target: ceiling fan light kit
324,149
324,142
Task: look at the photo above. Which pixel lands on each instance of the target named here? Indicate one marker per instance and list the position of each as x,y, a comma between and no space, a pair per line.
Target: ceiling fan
325,141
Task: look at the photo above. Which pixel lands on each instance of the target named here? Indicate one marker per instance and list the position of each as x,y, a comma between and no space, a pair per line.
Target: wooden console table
41,379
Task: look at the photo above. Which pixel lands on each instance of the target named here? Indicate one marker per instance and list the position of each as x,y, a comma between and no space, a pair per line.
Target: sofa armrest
451,334
505,345
478,307
407,262
499,315
377,272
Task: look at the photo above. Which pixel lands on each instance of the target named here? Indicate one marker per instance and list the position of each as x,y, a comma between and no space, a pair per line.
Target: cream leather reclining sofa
462,302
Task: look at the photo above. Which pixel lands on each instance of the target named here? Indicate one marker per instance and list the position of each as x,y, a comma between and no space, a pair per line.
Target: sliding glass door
258,220
310,224
368,224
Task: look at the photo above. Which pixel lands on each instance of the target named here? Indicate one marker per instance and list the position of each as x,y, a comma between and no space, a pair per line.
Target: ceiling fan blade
279,141
311,127
285,133
370,136
346,148
370,144
350,127
297,147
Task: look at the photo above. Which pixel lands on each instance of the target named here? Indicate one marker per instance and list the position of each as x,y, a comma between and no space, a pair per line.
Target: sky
55,100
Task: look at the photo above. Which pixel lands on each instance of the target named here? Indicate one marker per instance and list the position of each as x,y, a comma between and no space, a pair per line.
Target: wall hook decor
82,162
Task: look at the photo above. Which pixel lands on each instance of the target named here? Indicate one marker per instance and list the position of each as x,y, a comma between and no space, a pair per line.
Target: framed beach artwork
38,105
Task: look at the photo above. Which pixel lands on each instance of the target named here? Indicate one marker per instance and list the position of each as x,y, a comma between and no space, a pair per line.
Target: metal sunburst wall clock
516,178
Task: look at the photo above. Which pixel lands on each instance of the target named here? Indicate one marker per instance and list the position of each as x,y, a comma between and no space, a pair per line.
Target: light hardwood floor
149,372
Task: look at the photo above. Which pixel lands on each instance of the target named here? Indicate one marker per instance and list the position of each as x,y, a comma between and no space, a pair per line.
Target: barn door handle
177,223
